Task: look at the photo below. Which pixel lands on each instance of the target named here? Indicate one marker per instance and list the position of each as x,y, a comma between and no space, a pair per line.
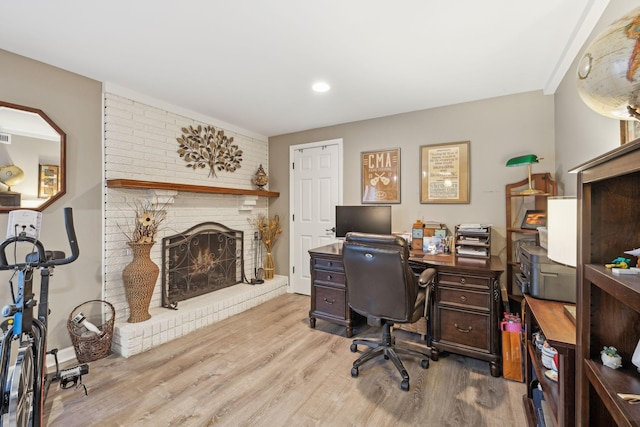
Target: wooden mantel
154,185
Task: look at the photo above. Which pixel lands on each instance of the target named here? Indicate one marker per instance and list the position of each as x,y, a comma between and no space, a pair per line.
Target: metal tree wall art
202,147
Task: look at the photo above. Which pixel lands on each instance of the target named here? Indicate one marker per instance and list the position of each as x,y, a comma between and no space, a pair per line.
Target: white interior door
316,189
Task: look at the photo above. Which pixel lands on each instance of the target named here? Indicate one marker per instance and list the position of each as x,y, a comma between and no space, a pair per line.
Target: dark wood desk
466,300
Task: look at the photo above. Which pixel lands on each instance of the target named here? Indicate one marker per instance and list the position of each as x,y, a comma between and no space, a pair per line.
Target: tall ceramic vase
139,278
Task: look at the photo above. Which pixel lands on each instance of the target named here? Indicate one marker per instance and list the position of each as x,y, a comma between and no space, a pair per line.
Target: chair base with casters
386,347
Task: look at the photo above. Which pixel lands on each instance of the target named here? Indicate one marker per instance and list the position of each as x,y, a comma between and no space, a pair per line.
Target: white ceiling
25,123
251,63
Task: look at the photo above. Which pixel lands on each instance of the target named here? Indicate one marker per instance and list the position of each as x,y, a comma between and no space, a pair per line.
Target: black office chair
382,287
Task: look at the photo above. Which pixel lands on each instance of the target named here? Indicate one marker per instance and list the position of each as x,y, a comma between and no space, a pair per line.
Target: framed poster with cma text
381,176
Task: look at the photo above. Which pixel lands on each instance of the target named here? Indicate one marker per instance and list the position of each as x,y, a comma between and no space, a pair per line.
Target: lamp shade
526,160
608,73
562,228
523,160
11,175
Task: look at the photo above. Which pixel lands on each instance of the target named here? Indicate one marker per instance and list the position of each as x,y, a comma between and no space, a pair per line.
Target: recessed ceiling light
321,87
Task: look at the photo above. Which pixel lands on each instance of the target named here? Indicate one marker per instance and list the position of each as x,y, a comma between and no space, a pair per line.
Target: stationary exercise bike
24,386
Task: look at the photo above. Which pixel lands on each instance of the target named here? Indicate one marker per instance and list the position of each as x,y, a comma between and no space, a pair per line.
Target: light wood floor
266,367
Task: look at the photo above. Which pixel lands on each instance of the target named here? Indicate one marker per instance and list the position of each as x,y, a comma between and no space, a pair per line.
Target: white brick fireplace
140,144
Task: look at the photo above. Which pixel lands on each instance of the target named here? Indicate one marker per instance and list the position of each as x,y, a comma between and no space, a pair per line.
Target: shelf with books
518,205
549,318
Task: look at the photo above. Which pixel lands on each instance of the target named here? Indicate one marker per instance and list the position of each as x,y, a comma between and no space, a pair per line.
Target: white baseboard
65,355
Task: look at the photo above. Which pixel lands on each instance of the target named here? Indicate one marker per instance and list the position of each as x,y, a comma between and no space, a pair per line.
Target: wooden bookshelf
608,304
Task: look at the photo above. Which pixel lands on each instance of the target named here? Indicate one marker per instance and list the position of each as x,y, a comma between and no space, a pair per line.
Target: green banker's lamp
526,160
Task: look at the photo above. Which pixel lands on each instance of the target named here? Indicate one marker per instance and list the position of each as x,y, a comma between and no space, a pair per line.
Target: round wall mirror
32,159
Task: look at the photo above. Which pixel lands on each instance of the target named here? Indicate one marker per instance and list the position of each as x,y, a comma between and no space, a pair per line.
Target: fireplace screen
203,259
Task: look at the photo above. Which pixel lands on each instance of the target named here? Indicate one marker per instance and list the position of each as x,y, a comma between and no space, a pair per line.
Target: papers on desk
470,240
473,228
470,251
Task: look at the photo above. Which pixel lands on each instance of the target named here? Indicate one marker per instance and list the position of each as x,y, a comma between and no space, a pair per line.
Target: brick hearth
193,314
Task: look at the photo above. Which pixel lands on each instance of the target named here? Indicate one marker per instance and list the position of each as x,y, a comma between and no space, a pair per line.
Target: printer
542,278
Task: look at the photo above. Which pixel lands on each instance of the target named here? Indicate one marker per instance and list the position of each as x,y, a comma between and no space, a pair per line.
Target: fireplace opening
205,258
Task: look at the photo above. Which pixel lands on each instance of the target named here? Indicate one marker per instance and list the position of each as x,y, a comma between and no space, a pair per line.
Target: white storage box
544,236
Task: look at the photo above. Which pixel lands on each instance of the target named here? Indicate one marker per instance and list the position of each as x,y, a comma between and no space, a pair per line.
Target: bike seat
49,255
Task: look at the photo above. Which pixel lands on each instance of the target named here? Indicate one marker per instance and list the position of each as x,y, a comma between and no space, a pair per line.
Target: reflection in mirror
32,159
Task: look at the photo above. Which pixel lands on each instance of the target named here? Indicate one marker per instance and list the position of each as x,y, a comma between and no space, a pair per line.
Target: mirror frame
62,178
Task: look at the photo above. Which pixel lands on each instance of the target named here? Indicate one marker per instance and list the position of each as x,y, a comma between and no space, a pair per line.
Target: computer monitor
363,219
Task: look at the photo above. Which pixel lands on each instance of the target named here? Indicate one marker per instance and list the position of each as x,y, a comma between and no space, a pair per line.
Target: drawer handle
463,280
329,277
464,331
463,298
330,263
329,302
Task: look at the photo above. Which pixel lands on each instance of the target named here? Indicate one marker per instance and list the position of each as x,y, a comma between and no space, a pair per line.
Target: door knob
332,229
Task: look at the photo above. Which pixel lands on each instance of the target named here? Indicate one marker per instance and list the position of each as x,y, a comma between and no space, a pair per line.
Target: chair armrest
426,277
424,280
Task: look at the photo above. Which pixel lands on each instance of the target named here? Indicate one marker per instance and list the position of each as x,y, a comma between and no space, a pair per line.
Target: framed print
629,130
381,176
444,173
47,180
534,219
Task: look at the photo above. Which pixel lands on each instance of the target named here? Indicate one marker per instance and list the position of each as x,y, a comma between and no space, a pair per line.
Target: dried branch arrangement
147,221
206,146
269,229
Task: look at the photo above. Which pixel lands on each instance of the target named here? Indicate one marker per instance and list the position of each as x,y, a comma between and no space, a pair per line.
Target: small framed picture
48,184
534,219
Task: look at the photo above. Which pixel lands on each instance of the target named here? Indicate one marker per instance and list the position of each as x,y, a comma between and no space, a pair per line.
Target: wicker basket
90,347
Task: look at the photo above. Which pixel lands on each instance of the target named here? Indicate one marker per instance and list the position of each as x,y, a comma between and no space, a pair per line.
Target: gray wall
497,128
560,128
580,133
74,103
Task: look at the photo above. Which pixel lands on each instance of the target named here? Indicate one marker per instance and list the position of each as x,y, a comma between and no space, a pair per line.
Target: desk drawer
330,277
332,301
462,279
327,264
464,328
464,298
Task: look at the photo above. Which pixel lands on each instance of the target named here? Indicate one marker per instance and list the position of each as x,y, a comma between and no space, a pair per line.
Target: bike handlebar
42,260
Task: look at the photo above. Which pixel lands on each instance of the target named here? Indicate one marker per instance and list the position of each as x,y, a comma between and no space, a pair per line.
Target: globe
609,73
11,175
